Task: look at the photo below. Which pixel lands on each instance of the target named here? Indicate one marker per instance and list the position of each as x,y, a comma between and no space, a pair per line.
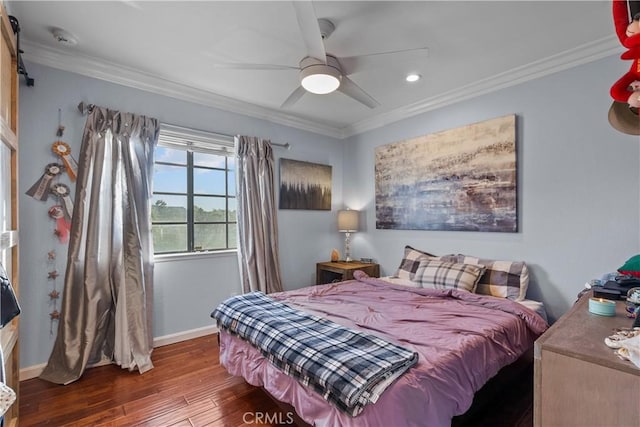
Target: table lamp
347,223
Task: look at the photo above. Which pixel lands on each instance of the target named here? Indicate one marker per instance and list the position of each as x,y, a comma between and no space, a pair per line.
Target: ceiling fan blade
349,88
294,97
238,66
309,29
353,64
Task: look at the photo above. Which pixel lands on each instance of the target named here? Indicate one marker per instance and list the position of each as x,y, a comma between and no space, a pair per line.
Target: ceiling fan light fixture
320,79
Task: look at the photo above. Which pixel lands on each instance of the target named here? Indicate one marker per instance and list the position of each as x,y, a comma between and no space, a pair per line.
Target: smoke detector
64,37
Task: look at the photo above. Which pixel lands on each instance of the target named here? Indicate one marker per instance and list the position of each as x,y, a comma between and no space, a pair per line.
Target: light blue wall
579,192
578,182
185,291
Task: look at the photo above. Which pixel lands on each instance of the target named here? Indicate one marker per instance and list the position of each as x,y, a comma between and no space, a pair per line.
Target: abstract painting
461,179
304,185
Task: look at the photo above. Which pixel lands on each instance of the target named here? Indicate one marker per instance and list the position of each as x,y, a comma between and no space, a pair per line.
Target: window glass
231,183
232,210
210,236
168,208
233,236
208,181
170,179
209,160
170,155
193,207
209,209
169,238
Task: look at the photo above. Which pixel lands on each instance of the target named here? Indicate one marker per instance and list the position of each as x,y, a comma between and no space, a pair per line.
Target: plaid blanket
348,368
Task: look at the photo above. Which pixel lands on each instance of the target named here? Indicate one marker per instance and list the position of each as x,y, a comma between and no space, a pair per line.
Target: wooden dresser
578,380
9,198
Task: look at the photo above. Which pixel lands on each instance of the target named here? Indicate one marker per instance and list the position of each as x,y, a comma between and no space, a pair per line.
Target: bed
462,340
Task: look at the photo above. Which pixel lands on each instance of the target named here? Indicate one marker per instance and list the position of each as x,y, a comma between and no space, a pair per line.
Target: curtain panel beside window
107,301
257,216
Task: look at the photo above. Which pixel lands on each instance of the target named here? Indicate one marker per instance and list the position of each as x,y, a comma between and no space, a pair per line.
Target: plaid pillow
504,279
437,274
411,261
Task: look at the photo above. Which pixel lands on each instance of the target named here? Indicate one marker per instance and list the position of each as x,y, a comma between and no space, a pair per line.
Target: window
194,204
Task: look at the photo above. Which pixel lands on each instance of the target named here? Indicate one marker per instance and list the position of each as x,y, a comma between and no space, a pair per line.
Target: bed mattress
462,340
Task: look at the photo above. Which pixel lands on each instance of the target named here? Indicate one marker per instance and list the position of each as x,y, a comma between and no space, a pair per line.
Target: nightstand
329,272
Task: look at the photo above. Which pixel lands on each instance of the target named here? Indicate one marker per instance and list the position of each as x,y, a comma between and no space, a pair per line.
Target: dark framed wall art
461,179
304,185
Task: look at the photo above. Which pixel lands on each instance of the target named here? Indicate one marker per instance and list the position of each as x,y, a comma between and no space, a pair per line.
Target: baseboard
35,370
31,372
184,336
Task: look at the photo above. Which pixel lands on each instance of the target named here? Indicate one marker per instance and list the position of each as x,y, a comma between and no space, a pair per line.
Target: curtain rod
88,108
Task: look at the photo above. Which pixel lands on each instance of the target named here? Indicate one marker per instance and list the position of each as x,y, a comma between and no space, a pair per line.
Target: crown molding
96,68
122,75
580,55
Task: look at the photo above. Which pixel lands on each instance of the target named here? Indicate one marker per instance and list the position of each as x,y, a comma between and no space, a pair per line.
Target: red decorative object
624,113
53,274
627,28
626,89
62,225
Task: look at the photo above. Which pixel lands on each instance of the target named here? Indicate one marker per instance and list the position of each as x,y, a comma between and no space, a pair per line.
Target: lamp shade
348,221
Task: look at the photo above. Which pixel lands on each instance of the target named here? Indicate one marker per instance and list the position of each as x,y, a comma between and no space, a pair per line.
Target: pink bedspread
462,339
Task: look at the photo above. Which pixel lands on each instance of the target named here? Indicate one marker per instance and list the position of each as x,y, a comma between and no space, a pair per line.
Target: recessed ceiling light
413,77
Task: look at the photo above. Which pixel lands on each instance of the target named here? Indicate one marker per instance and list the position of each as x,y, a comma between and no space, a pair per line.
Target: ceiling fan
323,73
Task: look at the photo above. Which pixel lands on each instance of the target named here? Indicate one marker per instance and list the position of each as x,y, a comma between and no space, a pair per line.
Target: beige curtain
107,300
257,216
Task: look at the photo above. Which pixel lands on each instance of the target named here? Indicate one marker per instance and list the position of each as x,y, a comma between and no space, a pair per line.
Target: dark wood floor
188,387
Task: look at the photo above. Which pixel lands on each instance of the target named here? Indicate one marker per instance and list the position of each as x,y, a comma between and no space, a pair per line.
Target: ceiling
176,49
